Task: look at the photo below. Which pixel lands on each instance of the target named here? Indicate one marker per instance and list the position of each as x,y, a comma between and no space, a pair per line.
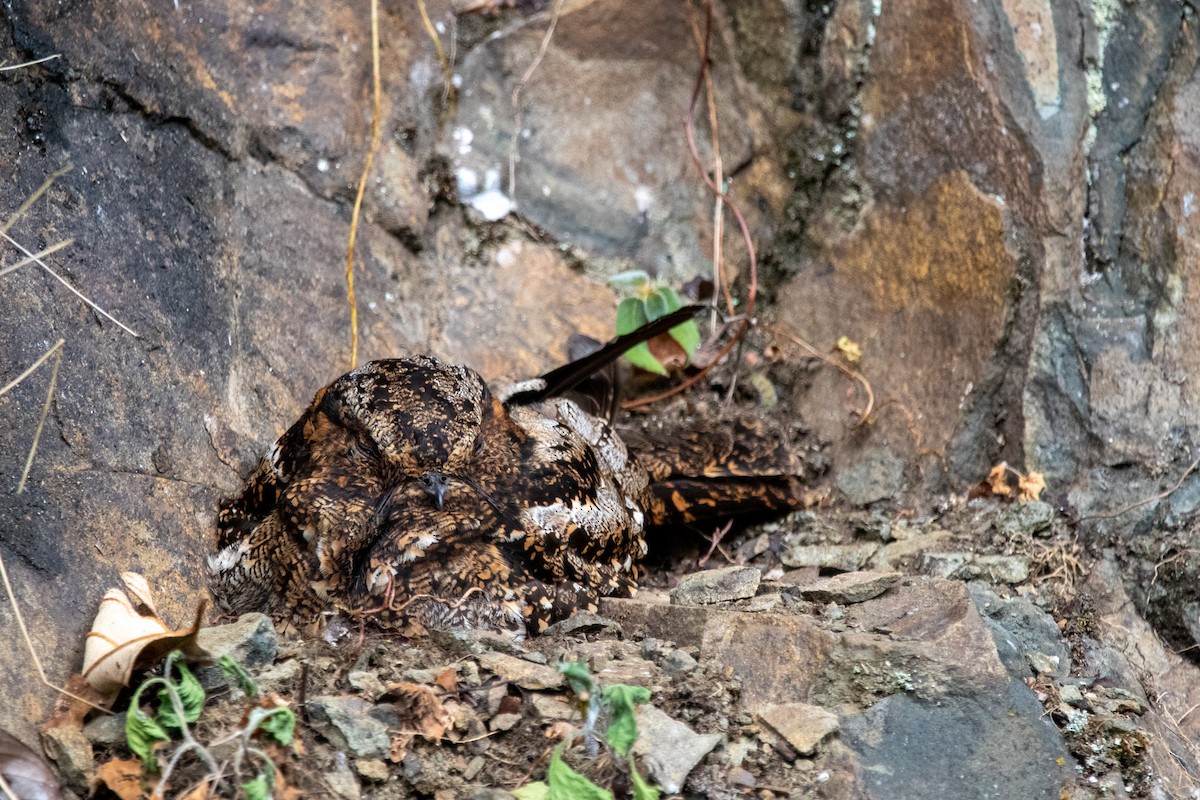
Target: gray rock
1043,664
473,768
368,683
946,565
669,748
804,726
1033,517
842,557
1000,569
1072,696
504,722
523,673
912,749
1021,629
717,586
281,677
250,641
679,662
347,723
106,729
343,783
634,206
372,769
849,587
72,751
968,566
584,622
878,476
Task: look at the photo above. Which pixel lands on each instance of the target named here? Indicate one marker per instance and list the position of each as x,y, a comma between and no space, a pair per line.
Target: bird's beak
435,484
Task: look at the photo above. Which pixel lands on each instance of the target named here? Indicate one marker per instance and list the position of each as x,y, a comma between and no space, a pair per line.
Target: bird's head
428,419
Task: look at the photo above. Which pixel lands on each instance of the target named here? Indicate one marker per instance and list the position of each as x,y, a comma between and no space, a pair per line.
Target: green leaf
191,697
567,784
672,298
631,315
640,356
141,734
279,722
630,281
538,790
656,304
258,789
687,334
238,676
642,790
578,677
622,728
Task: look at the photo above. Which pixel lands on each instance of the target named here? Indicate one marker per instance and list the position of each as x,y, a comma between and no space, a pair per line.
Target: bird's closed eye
477,450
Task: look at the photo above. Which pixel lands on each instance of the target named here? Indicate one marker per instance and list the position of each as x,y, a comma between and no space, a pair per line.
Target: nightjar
412,495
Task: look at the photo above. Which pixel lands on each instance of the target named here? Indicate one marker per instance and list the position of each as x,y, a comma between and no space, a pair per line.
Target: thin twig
863,416
33,198
65,283
1160,496
447,74
744,326
514,144
37,434
716,538
362,181
12,598
748,318
7,790
42,60
30,369
718,170
690,130
54,248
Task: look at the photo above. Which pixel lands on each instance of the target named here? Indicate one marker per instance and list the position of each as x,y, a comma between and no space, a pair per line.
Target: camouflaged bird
409,494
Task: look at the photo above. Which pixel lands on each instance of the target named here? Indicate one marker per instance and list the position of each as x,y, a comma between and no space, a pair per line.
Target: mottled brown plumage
410,494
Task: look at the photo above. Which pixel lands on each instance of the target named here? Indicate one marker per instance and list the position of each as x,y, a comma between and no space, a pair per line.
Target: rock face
927,201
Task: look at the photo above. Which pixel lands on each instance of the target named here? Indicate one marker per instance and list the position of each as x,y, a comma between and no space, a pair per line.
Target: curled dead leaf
126,635
139,591
1030,486
447,679
997,480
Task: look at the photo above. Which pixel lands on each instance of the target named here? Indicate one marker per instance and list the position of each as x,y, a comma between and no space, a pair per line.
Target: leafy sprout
620,701
647,300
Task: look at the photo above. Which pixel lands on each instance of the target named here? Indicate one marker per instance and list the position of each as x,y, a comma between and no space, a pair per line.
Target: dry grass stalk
362,181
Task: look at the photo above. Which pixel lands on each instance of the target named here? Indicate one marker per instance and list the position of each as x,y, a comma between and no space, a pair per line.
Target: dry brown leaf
123,777
399,748
69,712
420,709
25,772
1030,486
447,679
125,635
997,480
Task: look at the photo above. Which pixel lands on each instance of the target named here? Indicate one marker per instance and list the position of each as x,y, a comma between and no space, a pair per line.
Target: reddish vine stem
689,127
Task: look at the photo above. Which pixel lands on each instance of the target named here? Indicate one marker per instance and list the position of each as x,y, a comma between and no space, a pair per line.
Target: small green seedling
180,700
620,701
646,300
